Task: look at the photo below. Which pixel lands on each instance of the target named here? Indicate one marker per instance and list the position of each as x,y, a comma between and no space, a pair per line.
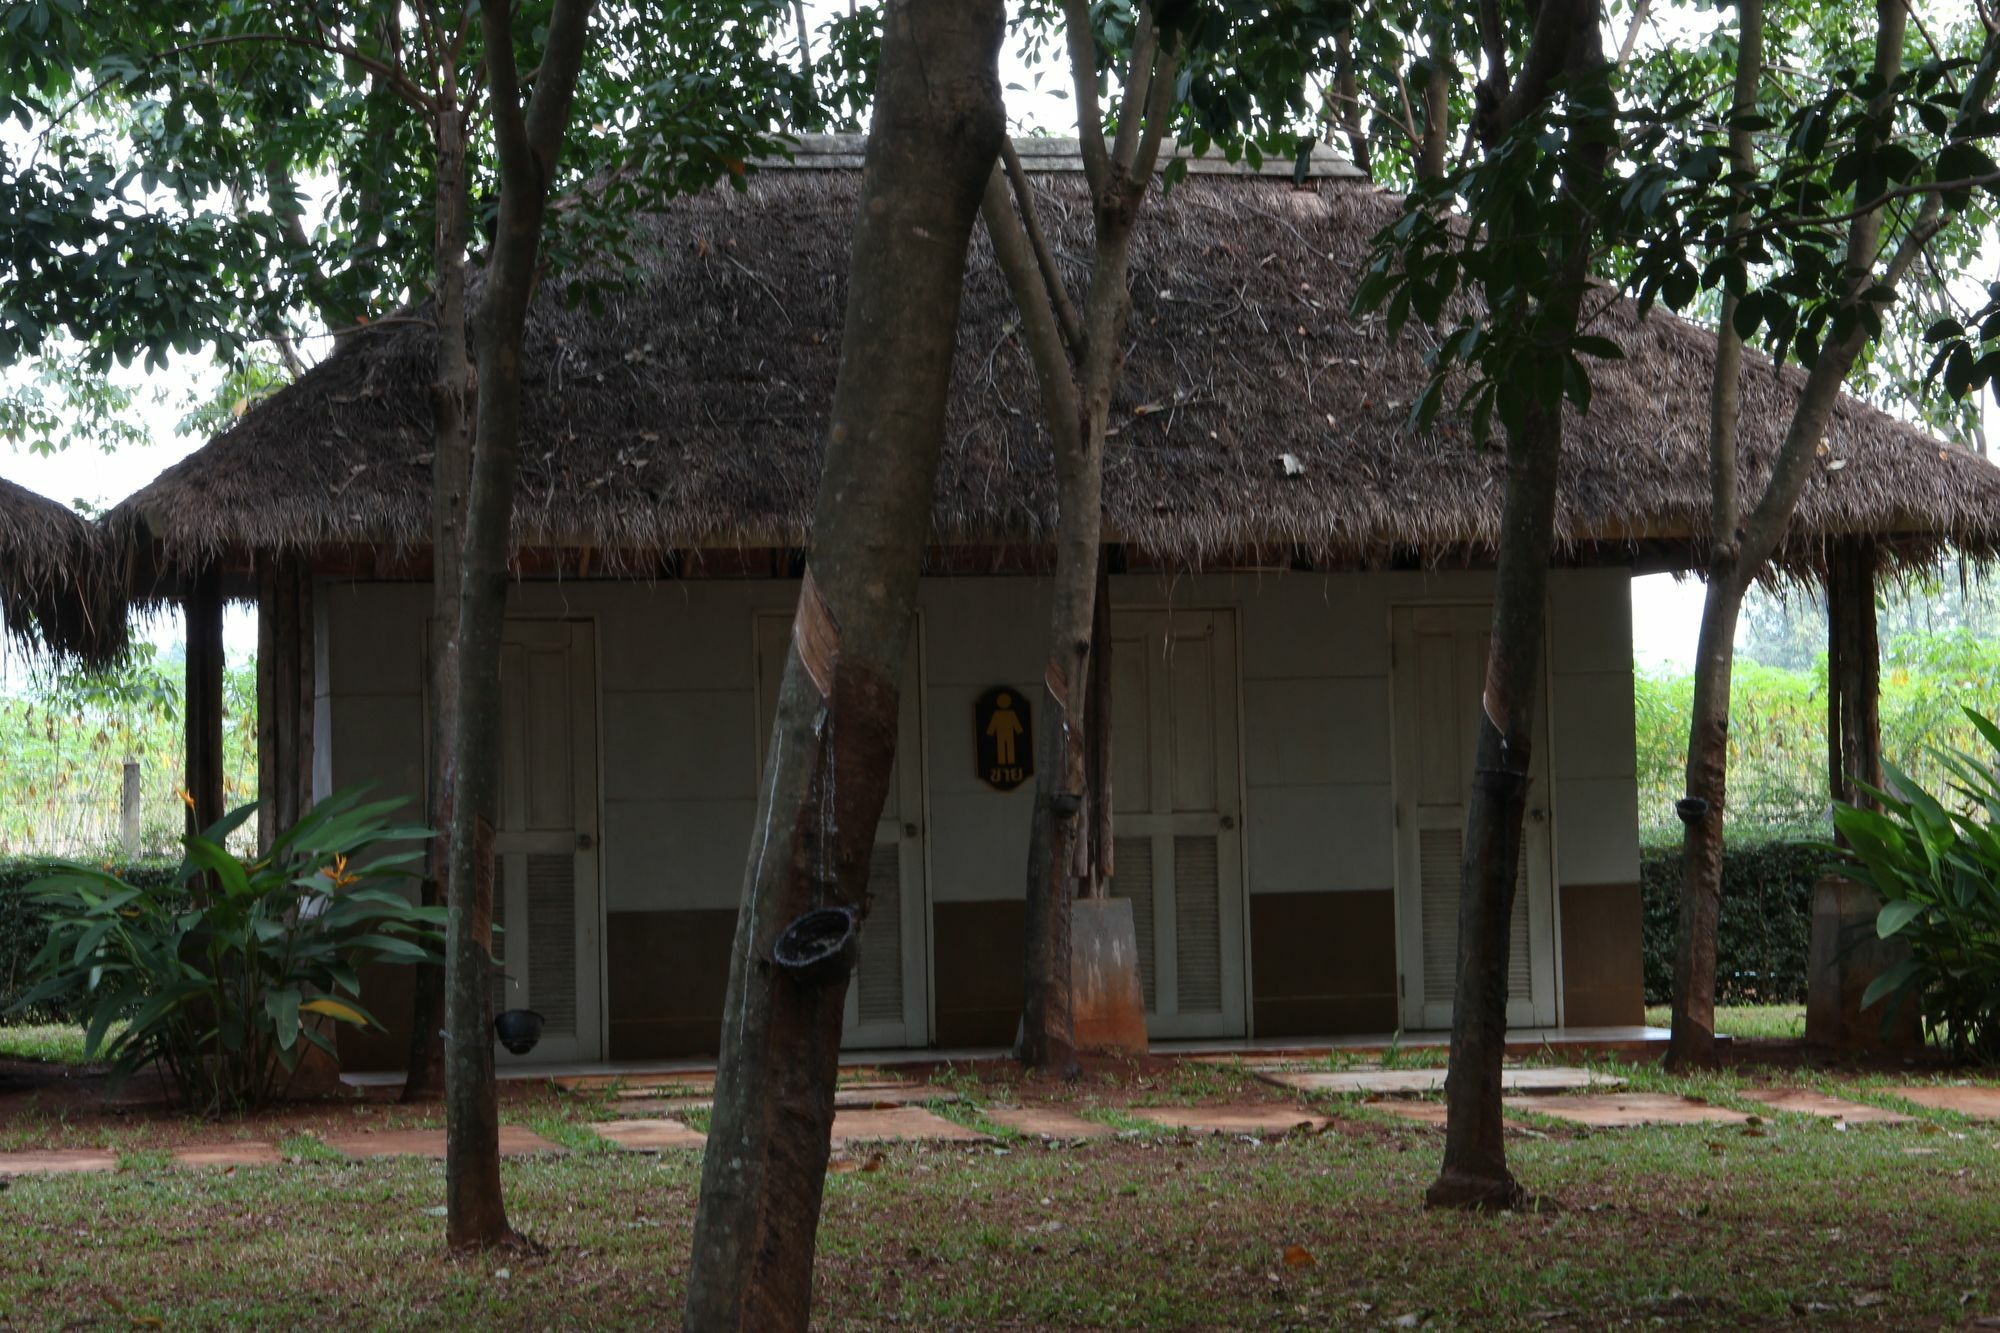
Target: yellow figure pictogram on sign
1004,726
1003,738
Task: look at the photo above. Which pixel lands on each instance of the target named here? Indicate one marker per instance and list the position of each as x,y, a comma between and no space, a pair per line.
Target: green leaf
1892,980
283,1007
1896,915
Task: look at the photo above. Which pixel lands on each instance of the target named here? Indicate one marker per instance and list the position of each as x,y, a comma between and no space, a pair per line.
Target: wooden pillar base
1845,958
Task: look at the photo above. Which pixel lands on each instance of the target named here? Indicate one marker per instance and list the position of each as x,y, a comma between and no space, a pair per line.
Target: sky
1666,612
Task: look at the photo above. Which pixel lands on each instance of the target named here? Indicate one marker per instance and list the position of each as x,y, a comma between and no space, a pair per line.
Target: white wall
680,748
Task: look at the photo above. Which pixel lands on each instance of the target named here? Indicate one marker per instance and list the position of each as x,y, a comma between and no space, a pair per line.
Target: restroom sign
1003,738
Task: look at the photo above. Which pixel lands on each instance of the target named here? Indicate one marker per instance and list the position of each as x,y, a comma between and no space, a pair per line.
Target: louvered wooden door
1177,851
1440,667
546,903
888,1003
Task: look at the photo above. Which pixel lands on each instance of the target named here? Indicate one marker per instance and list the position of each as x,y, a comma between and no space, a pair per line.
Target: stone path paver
903,1122
1263,1118
640,1084
1047,1122
1804,1101
865,1098
1979,1103
228,1155
1389,1082
514,1142
658,1106
57,1161
650,1135
1633,1108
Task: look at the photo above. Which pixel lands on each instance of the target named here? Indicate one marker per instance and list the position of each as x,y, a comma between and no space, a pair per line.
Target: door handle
584,842
910,830
1227,822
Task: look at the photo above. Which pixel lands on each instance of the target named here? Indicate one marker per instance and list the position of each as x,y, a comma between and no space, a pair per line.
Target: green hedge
1762,937
22,932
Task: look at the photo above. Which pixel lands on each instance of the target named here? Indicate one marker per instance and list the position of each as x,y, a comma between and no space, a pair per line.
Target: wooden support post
284,696
1844,955
305,687
268,706
1854,671
203,609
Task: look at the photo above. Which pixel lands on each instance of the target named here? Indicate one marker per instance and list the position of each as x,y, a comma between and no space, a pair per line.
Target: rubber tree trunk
1475,1170
451,390
1742,550
1059,836
1701,809
1097,776
476,1216
931,146
1701,813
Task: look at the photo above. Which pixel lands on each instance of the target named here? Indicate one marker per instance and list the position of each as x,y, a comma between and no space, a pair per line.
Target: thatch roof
1256,415
55,591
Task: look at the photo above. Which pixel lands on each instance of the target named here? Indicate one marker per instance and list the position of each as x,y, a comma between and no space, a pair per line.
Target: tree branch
1082,42
1159,107
1765,526
1502,108
1640,13
1726,392
1133,102
1040,328
393,77
1045,260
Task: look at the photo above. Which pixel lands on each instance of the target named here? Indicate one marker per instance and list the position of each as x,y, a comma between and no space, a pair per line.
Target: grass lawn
57,1043
1747,1022
1706,1226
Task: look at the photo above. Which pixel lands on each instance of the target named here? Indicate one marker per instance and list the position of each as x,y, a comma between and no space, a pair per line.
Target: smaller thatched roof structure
56,589
1258,416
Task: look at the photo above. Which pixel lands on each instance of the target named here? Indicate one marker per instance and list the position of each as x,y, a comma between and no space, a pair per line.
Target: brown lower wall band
1603,973
1323,964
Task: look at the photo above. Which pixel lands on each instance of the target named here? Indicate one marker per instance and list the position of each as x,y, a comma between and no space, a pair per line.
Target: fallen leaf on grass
846,1165
1298,1256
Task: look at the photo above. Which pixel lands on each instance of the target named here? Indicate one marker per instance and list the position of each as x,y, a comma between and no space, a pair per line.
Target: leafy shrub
1938,871
23,931
1764,932
217,971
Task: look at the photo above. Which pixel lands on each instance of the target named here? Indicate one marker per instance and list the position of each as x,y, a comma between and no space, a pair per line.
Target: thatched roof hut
1258,417
55,591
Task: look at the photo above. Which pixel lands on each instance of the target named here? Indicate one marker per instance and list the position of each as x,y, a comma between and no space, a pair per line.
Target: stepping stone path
514,1142
637,1085
1979,1103
650,1135
1046,1122
1390,1082
1803,1101
1255,1119
902,1122
228,1155
865,1097
57,1162
1624,1109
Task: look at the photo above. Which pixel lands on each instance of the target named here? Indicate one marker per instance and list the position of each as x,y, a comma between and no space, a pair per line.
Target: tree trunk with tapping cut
451,392
528,142
936,128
